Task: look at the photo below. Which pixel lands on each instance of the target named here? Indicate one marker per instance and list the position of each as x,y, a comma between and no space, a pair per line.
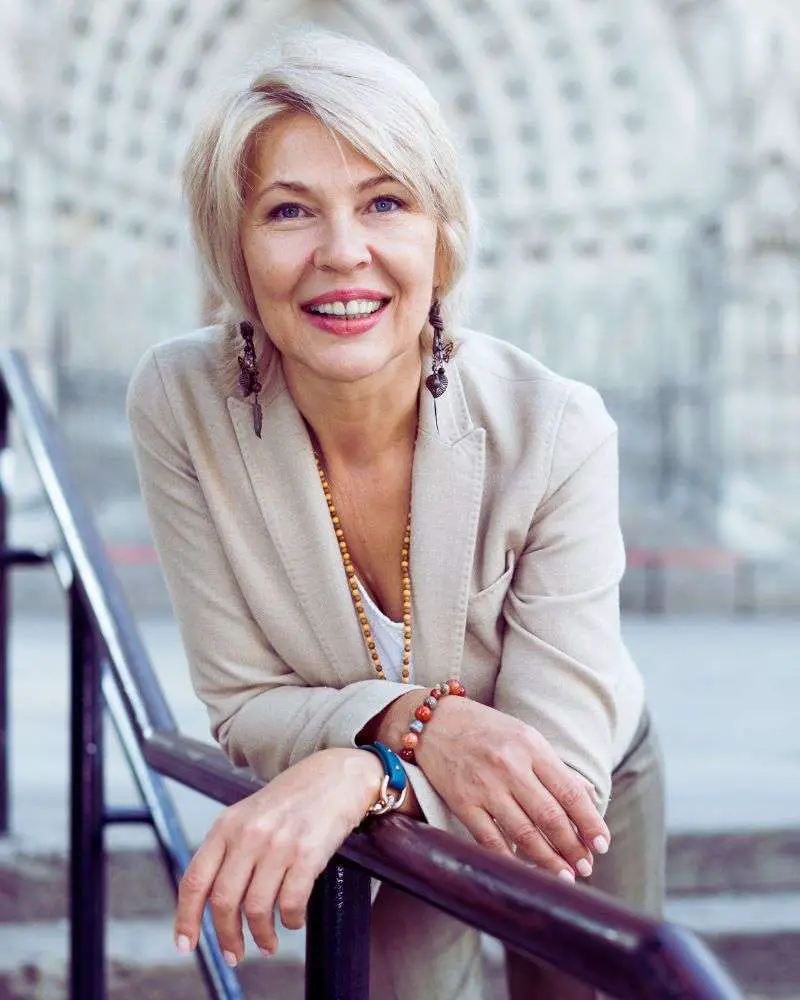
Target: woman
351,513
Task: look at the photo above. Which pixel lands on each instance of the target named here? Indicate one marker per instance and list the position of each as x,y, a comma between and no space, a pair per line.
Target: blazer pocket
483,642
491,598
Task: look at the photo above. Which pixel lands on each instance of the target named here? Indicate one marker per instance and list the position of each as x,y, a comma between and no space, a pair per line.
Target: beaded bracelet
423,715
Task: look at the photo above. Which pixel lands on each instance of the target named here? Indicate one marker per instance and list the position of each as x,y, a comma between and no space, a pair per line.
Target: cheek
417,262
272,266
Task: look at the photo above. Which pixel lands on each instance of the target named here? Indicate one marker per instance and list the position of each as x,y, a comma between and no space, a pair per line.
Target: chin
350,372
355,365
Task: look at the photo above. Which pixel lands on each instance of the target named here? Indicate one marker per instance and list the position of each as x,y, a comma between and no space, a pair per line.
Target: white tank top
388,637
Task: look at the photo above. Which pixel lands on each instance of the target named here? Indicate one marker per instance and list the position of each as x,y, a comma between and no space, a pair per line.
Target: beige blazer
516,558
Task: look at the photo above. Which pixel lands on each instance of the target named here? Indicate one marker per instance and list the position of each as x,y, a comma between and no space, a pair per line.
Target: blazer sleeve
563,651
262,713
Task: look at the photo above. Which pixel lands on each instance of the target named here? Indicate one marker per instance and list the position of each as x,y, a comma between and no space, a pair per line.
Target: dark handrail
135,701
147,706
580,931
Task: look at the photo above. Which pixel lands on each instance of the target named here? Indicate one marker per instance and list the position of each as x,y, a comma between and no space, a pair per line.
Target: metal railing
582,932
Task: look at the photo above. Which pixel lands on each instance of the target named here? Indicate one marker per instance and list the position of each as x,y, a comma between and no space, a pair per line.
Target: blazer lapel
284,477
447,487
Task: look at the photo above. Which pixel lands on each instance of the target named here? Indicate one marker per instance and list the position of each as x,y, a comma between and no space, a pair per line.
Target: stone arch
552,104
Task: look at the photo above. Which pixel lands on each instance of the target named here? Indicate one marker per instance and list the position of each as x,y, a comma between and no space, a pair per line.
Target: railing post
87,859
338,934
5,819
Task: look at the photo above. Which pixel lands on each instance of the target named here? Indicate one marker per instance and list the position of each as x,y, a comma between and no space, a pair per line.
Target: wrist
394,787
364,771
438,731
448,691
368,772
394,722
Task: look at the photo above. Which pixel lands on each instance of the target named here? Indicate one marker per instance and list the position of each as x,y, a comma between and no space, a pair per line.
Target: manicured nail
600,844
567,876
230,959
584,868
183,944
265,952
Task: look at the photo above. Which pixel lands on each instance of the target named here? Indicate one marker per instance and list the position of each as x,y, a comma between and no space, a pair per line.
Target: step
749,913
143,962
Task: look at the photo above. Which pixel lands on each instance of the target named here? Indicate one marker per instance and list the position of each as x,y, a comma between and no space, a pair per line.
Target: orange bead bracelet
424,714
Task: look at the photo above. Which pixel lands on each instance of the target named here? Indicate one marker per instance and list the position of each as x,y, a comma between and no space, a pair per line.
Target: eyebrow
298,188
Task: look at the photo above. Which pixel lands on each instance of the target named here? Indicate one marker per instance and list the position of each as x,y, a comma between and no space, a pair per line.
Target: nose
343,246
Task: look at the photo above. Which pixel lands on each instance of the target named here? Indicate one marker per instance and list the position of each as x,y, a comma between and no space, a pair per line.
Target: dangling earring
436,382
249,382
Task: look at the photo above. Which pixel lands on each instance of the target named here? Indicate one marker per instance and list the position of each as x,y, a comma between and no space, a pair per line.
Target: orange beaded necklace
355,590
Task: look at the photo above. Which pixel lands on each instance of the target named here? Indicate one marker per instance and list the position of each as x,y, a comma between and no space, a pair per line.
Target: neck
360,423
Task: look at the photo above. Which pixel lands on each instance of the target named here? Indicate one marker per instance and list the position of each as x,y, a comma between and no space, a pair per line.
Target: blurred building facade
635,165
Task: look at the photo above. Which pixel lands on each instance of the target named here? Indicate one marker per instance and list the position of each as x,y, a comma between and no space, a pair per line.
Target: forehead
297,147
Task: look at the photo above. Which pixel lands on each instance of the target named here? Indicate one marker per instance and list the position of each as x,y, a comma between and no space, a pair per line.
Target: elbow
224,735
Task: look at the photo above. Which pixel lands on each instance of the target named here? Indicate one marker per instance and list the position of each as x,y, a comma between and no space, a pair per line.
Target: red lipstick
345,295
346,326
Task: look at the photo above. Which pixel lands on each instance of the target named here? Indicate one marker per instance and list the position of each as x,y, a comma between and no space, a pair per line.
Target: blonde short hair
371,100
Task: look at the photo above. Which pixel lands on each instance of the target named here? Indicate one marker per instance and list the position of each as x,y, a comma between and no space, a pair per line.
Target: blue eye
386,204
285,212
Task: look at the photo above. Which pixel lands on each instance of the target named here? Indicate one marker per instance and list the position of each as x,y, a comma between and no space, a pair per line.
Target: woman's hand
270,847
505,783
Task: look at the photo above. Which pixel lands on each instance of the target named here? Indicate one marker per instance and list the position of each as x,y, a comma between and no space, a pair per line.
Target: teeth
355,307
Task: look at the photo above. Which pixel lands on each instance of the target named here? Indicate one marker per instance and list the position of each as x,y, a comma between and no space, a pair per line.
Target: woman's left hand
269,849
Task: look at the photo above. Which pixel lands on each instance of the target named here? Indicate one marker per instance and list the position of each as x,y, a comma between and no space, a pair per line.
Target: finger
571,791
193,891
485,831
227,895
259,902
531,843
298,883
574,797
548,816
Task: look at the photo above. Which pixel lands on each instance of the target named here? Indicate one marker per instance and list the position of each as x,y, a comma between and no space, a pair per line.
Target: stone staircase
734,888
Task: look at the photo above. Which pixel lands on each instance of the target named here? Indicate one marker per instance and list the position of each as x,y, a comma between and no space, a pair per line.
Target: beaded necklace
355,590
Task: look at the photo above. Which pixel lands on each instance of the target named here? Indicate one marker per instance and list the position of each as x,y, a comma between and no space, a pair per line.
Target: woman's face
341,257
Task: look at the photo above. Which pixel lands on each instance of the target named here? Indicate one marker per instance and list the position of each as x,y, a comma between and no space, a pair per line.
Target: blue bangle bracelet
392,765
395,782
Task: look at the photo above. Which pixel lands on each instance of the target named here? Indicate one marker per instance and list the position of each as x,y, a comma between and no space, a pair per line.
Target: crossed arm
498,775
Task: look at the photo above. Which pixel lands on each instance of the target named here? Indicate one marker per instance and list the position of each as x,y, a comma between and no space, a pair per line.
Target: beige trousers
419,953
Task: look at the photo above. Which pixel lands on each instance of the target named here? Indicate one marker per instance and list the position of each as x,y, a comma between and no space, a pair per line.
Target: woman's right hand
268,849
507,785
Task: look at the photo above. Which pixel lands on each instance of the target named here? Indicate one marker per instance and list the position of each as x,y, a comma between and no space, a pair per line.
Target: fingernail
584,868
600,844
183,944
230,959
567,876
265,952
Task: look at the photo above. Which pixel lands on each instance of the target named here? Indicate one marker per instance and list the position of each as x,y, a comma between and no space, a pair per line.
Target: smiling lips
346,312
